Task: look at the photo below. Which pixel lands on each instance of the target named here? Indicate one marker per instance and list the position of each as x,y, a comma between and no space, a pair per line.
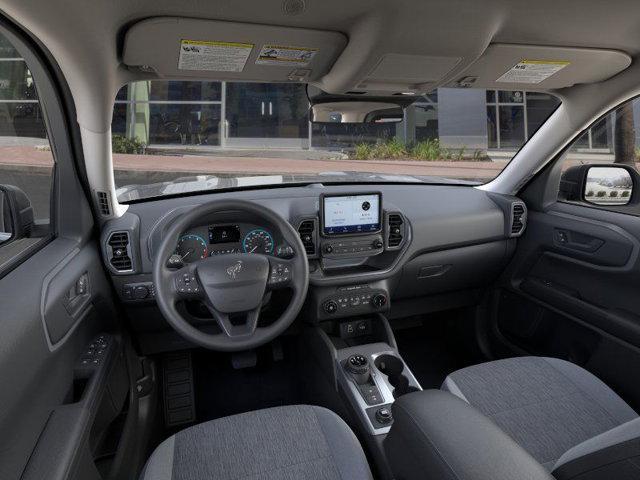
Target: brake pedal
240,360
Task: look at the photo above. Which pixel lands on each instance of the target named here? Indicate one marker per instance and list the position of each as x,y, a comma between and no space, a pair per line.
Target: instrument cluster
212,240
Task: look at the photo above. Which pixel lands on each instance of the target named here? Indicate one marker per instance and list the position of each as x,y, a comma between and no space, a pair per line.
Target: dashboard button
140,292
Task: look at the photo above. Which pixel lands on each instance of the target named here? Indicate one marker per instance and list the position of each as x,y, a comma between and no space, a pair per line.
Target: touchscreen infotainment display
351,213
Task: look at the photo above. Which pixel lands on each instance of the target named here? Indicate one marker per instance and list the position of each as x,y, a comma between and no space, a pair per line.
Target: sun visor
528,67
190,48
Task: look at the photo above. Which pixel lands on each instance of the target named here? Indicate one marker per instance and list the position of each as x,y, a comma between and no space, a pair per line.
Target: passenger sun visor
184,48
529,67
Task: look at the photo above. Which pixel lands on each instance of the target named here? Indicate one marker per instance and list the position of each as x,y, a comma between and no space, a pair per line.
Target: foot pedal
276,351
179,403
241,360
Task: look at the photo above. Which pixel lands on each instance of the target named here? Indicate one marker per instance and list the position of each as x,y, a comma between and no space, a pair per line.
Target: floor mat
221,390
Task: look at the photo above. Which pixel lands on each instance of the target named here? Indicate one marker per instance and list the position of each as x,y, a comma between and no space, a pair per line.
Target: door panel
56,404
572,292
38,373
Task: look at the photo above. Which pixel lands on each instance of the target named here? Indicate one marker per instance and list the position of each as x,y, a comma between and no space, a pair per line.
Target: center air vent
519,219
118,252
307,235
395,230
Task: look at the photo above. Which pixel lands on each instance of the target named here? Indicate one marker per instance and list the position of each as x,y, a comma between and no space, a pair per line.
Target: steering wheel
231,286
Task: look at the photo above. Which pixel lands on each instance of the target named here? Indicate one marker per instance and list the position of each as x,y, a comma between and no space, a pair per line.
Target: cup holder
393,367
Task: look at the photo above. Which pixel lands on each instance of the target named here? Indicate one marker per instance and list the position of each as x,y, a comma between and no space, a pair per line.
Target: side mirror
608,186
605,185
16,214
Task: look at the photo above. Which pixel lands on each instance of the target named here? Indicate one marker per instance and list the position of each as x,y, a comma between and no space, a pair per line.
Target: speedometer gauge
258,241
191,248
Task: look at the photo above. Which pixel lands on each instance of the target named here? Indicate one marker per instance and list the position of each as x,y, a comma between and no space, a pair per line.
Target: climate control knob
377,244
330,307
328,249
379,300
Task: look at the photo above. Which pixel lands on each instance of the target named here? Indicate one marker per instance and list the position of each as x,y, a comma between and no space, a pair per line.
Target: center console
372,377
367,373
353,244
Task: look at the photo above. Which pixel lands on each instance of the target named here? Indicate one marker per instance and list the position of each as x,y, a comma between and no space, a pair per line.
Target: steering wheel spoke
184,284
280,273
236,328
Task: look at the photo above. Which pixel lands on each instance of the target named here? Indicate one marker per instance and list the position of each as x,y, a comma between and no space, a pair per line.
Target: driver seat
292,442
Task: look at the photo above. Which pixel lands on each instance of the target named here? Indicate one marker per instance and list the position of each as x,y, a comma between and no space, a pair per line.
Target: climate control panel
354,300
353,247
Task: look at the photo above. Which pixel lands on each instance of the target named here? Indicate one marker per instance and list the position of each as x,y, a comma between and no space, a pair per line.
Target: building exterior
261,115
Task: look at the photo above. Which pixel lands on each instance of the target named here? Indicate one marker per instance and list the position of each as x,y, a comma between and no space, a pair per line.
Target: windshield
172,137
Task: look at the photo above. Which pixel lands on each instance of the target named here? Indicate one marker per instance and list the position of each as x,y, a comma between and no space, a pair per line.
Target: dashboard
400,250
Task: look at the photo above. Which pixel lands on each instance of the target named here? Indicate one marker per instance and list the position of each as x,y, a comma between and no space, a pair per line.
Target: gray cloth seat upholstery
293,442
554,409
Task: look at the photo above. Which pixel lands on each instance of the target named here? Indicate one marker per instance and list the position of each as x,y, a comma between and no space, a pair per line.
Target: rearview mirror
356,112
606,185
16,214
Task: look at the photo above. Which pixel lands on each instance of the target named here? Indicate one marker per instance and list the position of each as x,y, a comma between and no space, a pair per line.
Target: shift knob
358,366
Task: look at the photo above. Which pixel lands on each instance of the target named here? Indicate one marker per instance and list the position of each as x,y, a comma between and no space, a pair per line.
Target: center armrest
437,435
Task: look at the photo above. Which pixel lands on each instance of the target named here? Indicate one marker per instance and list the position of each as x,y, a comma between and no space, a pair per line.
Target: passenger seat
563,416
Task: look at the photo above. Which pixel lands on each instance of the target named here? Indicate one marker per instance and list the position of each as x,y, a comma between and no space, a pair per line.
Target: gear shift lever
358,366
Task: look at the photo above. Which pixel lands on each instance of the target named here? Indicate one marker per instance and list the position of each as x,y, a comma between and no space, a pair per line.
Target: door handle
78,295
576,241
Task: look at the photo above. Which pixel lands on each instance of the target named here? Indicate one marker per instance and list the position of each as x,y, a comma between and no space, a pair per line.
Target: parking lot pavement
29,167
30,157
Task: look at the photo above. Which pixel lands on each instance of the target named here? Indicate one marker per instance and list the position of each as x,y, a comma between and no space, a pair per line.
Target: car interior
221,309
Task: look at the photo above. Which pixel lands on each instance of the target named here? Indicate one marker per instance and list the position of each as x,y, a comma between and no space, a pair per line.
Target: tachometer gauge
191,248
258,241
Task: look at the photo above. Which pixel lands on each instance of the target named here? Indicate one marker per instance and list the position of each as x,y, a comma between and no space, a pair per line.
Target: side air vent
103,203
119,252
395,230
518,219
306,230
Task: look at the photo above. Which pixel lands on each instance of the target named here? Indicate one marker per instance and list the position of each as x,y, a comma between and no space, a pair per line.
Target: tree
625,135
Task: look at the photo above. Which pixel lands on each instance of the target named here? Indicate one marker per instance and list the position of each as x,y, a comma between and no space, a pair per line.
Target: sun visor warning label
213,56
285,56
532,71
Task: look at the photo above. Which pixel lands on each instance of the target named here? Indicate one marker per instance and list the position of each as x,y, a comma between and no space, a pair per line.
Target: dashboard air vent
518,222
103,203
118,251
395,224
307,235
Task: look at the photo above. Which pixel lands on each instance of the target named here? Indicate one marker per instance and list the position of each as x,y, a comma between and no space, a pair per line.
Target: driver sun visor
208,49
